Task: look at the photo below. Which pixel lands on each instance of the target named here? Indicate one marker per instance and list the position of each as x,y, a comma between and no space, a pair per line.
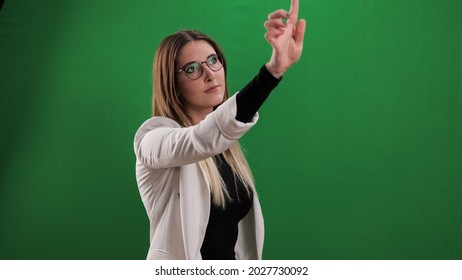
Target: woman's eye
212,59
192,68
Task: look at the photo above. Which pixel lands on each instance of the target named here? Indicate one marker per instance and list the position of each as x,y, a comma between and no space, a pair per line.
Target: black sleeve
252,96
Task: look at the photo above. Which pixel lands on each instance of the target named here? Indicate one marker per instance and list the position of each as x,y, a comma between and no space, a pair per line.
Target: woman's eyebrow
198,61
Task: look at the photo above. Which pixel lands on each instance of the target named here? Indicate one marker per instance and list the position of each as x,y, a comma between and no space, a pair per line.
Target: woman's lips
212,89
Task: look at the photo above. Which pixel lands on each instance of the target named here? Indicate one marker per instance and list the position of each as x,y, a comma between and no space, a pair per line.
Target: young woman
194,181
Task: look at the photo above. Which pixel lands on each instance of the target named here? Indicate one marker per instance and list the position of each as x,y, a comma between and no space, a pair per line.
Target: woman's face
201,95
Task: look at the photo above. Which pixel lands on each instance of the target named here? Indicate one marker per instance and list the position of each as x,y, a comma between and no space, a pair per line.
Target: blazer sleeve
161,142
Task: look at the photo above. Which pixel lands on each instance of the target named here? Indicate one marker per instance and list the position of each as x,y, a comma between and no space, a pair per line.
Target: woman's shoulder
155,122
159,122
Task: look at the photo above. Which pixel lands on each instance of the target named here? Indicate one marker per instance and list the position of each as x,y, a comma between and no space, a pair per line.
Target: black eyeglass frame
219,57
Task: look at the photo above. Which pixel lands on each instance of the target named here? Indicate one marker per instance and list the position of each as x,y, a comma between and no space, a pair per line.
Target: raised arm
287,42
161,142
286,39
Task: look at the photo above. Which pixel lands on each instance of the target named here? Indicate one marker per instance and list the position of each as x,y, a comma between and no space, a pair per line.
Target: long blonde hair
166,103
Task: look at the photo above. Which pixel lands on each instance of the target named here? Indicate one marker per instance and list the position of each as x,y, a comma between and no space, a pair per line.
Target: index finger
293,12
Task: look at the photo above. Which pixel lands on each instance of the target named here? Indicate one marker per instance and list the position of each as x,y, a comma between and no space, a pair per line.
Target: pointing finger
293,12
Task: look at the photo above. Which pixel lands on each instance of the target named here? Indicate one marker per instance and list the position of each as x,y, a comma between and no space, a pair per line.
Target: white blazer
175,191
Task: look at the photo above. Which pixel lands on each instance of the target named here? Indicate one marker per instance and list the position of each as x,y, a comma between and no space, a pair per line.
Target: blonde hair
166,103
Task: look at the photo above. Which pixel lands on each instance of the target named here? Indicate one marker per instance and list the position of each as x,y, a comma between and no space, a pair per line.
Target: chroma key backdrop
357,154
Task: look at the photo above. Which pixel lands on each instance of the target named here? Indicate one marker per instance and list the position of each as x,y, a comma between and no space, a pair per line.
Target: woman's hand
286,38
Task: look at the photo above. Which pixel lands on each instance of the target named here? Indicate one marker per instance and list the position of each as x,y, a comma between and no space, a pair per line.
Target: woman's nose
209,74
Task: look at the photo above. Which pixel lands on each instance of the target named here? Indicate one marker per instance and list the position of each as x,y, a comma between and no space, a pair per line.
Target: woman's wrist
277,73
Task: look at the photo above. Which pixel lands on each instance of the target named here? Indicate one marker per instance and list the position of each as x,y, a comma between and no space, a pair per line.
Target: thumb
300,32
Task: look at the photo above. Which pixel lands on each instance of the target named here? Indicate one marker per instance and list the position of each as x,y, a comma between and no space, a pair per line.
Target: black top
222,229
221,234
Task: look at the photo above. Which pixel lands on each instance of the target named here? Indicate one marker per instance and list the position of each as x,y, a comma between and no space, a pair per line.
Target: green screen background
357,154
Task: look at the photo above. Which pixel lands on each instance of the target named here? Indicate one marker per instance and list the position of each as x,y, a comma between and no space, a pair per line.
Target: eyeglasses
194,70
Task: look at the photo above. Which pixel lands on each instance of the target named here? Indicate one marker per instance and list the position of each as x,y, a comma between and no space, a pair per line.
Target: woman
194,181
